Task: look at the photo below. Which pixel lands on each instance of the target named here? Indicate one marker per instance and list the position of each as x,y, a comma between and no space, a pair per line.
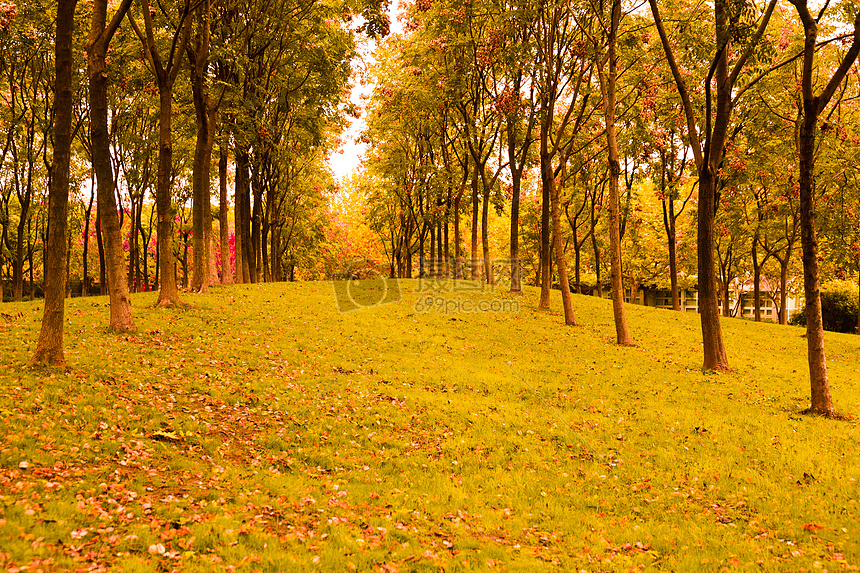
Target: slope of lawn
261,429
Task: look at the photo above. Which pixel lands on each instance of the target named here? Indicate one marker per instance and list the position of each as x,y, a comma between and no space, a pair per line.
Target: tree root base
47,360
832,415
172,304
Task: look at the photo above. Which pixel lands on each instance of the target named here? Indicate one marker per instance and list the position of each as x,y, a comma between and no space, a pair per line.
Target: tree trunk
238,250
18,263
49,348
708,152
442,261
756,281
598,287
100,35
432,270
485,236
546,199
223,225
561,263
709,312
475,269
407,247
241,204
821,400
165,73
30,249
101,249
447,244
146,236
255,254
622,333
168,294
671,236
198,56
85,279
133,254
516,189
458,272
784,262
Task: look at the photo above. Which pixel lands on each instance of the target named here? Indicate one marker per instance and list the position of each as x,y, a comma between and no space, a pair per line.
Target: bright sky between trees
347,159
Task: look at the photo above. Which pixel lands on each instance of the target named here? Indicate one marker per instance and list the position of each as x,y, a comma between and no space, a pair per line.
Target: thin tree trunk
85,288
669,223
255,254
133,244
756,280
101,249
18,264
546,199
607,83
516,189
485,235
561,263
447,244
458,274
237,219
432,269
223,222
240,184
475,269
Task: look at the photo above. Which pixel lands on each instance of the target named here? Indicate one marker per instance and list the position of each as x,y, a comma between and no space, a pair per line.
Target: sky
347,159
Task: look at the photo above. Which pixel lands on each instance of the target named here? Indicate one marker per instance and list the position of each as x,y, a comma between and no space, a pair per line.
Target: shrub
839,307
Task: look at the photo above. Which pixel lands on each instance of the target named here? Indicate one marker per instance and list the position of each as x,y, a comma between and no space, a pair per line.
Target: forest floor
262,429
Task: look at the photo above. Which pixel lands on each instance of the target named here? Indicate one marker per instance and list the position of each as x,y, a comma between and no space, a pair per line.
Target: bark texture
607,83
821,399
198,57
49,348
560,260
101,33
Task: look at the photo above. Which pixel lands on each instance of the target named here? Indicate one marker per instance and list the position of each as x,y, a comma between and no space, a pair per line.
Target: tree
608,80
813,106
563,75
101,33
707,135
166,70
205,109
49,349
26,73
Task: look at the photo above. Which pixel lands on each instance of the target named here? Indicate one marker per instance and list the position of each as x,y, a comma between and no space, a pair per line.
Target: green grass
263,430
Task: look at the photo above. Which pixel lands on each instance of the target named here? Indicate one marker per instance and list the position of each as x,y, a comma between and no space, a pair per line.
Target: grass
263,430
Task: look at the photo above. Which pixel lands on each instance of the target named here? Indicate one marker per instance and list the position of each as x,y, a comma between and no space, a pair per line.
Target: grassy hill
261,429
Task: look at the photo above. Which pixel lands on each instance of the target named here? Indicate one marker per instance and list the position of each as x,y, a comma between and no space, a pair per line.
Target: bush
839,307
